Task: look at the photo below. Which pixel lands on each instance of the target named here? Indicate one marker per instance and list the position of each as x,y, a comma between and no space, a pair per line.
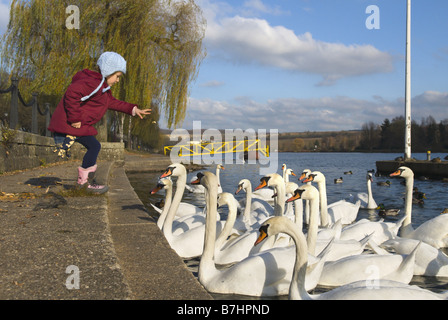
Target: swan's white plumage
360,290
434,231
257,275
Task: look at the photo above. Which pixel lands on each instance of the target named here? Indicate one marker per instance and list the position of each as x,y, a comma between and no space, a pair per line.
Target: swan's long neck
298,212
371,204
180,188
323,202
166,207
407,223
281,198
297,289
248,203
207,264
313,226
218,170
230,222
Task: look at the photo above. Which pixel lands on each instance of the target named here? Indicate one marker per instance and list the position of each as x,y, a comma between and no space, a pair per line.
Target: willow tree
160,39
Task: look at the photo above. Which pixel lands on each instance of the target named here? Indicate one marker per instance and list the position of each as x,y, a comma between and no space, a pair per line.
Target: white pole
407,135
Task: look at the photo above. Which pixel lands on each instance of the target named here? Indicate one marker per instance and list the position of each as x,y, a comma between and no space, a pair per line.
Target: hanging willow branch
160,39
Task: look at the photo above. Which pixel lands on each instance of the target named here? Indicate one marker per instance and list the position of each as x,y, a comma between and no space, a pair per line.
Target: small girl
84,103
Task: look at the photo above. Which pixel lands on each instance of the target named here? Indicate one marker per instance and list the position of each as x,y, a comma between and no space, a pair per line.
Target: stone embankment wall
23,150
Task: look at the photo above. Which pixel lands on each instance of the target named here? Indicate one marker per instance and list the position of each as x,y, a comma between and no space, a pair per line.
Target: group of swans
334,254
359,290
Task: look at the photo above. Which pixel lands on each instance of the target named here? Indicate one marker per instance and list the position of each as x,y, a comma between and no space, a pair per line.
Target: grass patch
79,192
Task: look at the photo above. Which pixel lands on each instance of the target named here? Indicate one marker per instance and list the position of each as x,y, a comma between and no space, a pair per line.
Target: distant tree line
327,141
389,136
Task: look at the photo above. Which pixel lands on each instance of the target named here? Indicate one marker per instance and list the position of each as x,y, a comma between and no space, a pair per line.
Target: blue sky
313,65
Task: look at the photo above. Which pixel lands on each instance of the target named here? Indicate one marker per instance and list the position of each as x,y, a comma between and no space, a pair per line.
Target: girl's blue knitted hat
109,63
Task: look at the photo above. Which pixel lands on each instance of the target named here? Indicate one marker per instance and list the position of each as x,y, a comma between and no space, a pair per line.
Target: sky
315,65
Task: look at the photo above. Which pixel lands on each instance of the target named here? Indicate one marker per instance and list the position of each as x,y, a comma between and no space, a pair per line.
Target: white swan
340,210
429,261
433,231
290,187
360,290
200,189
302,177
275,181
382,231
255,210
367,200
257,275
287,172
187,216
316,243
229,247
362,267
188,244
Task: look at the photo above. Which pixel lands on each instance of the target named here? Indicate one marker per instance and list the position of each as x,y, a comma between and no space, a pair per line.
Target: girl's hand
76,125
141,113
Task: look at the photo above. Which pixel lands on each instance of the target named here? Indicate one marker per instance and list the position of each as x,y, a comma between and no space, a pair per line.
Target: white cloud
255,41
253,7
314,114
212,84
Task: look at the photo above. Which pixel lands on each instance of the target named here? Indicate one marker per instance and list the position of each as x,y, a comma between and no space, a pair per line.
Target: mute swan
382,231
429,261
367,200
242,246
340,248
188,215
434,231
287,172
276,181
329,214
257,275
187,244
265,194
254,209
302,177
200,189
362,267
360,290
235,249
298,204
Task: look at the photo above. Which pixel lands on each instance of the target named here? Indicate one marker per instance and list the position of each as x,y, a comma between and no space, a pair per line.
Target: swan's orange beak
292,173
240,187
197,181
294,197
396,173
168,172
157,188
302,176
309,179
261,237
262,185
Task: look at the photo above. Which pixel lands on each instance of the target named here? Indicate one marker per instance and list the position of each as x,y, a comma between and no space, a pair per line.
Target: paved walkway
86,247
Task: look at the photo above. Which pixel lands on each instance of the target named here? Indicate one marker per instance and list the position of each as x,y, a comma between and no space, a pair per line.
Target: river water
332,165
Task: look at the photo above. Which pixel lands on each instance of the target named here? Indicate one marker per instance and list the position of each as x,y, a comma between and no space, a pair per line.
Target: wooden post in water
407,134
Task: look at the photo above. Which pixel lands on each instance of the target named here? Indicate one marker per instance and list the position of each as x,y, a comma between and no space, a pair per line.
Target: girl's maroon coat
71,109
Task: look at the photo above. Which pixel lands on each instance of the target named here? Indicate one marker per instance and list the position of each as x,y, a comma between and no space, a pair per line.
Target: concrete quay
81,247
